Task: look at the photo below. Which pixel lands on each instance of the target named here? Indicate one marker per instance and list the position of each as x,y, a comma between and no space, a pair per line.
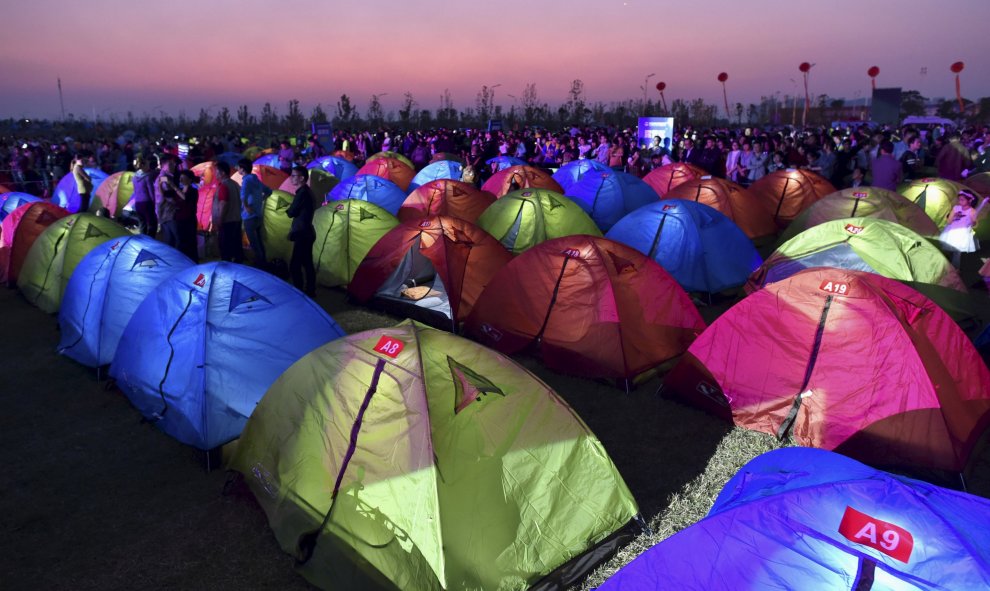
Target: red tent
18,232
391,169
731,199
846,361
446,197
786,193
269,176
590,306
668,176
518,177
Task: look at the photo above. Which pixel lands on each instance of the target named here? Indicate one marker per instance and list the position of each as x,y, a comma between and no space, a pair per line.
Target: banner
650,127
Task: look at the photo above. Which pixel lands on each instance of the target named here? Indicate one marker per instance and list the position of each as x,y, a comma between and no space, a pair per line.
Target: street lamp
492,88
794,104
644,86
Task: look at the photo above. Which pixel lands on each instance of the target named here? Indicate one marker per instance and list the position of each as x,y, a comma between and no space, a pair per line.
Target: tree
346,113
294,120
244,117
575,102
680,111
269,117
446,114
530,103
484,103
375,115
318,115
739,113
406,112
753,113
223,119
912,104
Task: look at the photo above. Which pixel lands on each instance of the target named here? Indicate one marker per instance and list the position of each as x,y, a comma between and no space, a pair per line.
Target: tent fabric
589,306
667,177
345,232
320,182
446,197
760,534
338,167
703,250
437,170
114,194
867,202
981,184
275,225
500,163
104,291
66,195
574,171
56,252
607,196
371,188
391,169
410,458
732,199
525,218
19,230
231,158
462,256
272,160
393,155
11,201
862,244
786,193
846,361
518,177
269,176
936,196
203,347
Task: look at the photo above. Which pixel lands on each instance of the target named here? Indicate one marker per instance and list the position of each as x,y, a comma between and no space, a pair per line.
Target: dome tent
701,248
66,195
269,176
114,194
373,189
527,217
936,196
410,458
393,155
519,177
19,230
575,170
731,199
345,232
667,177
338,167
320,181
56,252
589,306
500,163
446,197
607,196
104,291
786,193
11,201
867,529
205,345
437,170
846,361
275,226
391,169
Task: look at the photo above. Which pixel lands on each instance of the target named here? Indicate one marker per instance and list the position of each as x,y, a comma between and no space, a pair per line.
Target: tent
276,225
981,184
320,181
436,170
701,248
842,525
345,232
391,169
936,196
588,306
846,361
669,176
500,163
114,194
446,197
863,244
732,199
66,195
518,177
104,291
391,154
231,158
607,196
19,230
338,167
203,347
574,171
56,252
527,217
432,269
371,188
786,193
410,458
867,202
11,201
272,160
269,176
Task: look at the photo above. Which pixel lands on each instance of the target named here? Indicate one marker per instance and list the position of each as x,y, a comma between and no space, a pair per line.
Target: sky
115,56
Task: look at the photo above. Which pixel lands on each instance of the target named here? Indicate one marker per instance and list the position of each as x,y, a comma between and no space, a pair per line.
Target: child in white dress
957,237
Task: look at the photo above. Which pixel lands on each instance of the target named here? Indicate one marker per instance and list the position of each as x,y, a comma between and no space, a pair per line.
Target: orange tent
668,176
731,199
18,232
270,176
518,177
391,169
786,193
446,197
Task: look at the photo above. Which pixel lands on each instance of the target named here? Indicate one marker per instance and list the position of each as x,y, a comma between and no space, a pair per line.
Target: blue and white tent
441,169
368,187
11,201
66,195
338,167
575,170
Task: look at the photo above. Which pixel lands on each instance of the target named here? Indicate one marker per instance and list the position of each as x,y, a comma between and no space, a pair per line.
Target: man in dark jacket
302,234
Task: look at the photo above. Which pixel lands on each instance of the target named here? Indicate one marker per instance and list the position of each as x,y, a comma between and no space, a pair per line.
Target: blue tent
606,196
13,200
368,187
106,287
441,169
231,158
702,248
503,162
272,160
338,167
67,196
205,345
574,170
802,518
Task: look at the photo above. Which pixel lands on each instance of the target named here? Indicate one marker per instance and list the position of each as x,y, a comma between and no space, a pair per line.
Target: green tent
936,196
54,256
411,458
321,182
276,225
345,232
524,218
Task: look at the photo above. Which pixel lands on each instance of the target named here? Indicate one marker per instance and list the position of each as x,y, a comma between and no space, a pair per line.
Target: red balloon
873,72
661,86
723,77
957,67
804,67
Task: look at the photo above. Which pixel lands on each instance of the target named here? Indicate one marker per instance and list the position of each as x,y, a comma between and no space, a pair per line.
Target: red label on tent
571,252
888,538
929,180
115,245
339,207
835,287
424,224
389,346
853,229
860,194
669,207
200,281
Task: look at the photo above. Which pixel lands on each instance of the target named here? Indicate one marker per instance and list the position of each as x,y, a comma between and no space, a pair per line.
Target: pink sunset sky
115,56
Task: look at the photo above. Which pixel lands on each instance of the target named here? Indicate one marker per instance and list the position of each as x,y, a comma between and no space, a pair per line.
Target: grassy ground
92,498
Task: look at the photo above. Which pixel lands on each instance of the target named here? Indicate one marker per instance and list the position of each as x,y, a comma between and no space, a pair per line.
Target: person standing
84,184
302,234
145,196
253,195
227,215
885,169
185,215
957,237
